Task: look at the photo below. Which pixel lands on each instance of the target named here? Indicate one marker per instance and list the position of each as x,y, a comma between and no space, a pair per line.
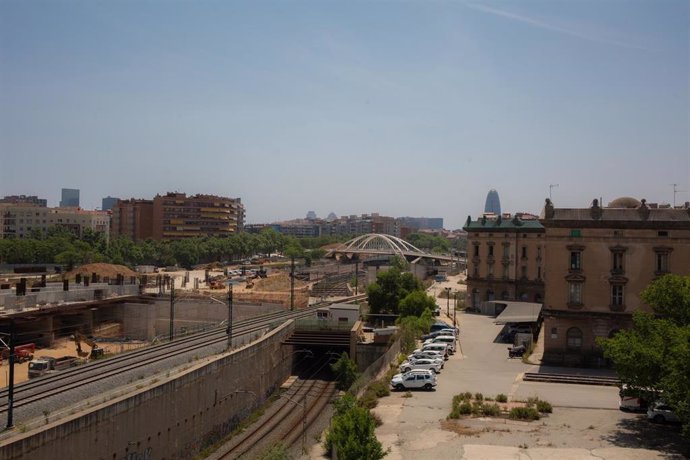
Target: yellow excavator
96,351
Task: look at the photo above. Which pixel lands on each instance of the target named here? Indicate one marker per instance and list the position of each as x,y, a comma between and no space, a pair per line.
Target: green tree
352,433
345,370
669,296
390,288
415,303
653,358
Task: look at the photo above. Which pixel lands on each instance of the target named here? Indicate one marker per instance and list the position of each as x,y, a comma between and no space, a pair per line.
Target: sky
405,108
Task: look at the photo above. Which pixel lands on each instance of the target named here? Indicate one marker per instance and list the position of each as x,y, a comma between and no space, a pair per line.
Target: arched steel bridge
380,244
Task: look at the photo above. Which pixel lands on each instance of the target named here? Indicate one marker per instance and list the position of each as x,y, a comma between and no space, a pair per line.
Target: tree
669,296
345,370
653,358
352,433
415,303
390,288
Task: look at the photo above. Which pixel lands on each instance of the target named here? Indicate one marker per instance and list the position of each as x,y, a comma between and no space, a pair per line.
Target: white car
418,353
447,339
661,412
414,358
422,379
420,364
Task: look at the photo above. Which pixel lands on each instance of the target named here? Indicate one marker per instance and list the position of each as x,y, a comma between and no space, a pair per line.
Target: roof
343,306
518,312
500,224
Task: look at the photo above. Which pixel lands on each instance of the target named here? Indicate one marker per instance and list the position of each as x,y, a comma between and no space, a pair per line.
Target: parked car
437,359
416,379
440,325
450,331
440,347
420,364
447,339
431,335
427,354
660,412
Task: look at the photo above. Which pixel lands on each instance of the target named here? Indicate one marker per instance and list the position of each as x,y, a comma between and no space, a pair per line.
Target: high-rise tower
493,203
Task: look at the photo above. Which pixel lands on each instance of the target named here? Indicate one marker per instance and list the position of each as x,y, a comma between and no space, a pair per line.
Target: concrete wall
174,419
53,294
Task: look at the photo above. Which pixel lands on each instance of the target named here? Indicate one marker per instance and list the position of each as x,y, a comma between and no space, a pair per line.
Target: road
585,424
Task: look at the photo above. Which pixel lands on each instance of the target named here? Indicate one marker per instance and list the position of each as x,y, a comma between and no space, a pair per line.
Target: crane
96,351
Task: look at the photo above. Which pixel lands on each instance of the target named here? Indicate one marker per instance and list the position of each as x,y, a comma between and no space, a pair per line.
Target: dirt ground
61,347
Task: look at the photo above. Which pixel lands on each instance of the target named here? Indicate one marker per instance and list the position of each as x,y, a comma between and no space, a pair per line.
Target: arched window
574,338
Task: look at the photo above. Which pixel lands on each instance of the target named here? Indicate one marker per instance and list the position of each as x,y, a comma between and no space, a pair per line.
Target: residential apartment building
24,199
177,216
505,260
132,218
23,221
597,262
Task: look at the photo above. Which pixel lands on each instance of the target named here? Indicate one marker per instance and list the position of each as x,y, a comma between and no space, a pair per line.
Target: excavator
96,351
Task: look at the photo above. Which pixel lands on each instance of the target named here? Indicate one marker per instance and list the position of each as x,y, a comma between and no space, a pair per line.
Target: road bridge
377,244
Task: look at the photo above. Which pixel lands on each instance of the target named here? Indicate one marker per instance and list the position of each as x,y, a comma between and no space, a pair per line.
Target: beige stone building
24,220
597,261
505,260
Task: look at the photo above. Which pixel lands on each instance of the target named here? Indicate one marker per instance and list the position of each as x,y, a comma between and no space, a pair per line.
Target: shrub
275,452
455,413
501,398
532,401
479,397
465,408
524,413
368,400
491,410
544,407
467,395
476,408
380,389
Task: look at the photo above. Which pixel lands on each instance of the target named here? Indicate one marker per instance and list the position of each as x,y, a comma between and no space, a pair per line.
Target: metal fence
371,372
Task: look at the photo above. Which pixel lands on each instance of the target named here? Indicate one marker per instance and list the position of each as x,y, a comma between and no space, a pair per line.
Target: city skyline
339,108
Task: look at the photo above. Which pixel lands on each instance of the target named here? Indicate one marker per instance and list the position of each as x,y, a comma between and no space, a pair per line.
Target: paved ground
585,424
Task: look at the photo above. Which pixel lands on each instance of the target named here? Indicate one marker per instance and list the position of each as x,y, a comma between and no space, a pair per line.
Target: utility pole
172,307
448,302
357,277
676,191
10,393
551,186
292,283
229,331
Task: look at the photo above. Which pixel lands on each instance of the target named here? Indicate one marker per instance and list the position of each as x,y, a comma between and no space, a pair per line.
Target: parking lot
585,423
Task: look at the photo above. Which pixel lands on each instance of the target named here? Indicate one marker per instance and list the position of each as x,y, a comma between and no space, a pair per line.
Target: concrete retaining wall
175,418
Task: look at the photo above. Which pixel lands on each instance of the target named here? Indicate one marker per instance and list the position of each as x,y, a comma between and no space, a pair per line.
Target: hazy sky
398,107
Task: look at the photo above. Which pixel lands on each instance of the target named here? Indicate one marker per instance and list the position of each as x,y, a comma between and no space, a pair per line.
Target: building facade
177,216
69,198
108,203
598,261
24,199
505,260
132,218
25,221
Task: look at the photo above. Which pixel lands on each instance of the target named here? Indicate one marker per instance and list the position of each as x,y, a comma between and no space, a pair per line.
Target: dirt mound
278,282
101,269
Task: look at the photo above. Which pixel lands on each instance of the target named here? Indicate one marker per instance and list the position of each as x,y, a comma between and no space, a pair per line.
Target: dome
625,202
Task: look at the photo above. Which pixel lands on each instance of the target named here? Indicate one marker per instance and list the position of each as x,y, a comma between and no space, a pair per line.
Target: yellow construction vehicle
96,351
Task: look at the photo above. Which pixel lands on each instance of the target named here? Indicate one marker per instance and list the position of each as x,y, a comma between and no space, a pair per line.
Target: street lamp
447,302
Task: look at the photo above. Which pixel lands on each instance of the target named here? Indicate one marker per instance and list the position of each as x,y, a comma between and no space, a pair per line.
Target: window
524,271
661,263
524,252
575,293
506,271
574,338
506,250
575,260
476,270
575,233
617,262
617,295
538,273
554,332
490,271
662,233
538,252
491,251
476,250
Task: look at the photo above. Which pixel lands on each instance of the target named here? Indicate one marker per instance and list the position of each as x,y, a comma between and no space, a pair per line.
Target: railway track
34,391
290,415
